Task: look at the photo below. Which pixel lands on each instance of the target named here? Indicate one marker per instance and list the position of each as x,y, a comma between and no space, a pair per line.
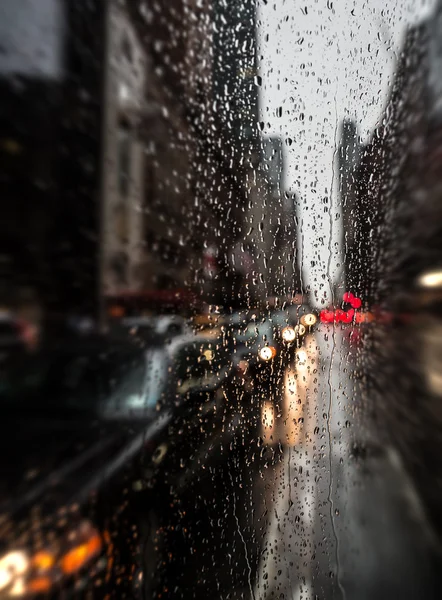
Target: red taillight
351,299
326,316
360,318
337,316
347,317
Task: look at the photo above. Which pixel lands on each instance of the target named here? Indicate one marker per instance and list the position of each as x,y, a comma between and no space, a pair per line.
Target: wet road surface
345,521
332,515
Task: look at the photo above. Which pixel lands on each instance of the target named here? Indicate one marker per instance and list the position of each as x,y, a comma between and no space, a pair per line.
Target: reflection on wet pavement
285,421
339,526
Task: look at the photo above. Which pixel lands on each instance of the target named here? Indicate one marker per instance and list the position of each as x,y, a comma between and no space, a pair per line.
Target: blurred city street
307,523
220,300
346,523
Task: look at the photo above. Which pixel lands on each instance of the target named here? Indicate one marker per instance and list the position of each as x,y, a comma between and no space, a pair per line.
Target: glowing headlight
24,575
13,568
308,320
430,279
267,352
288,334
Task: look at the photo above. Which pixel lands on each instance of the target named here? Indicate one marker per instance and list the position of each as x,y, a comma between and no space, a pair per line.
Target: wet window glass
220,299
201,360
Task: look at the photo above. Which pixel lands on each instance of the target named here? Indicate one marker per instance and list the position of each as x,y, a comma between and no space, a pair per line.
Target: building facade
379,180
50,121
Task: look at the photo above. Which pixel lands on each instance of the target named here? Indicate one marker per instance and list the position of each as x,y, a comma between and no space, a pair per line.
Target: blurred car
353,321
351,312
95,435
76,419
214,423
262,338
147,329
292,325
204,380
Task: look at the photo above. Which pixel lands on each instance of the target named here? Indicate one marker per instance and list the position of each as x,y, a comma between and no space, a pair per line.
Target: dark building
65,139
50,129
206,216
399,174
235,76
377,179
283,271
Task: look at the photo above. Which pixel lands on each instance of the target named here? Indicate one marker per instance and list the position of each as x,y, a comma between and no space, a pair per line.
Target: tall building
378,180
193,199
236,79
404,184
50,122
283,271
348,157
236,85
137,133
126,79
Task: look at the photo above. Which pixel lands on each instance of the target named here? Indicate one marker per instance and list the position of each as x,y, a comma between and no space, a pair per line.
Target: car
268,336
207,382
75,424
146,329
268,345
98,438
213,426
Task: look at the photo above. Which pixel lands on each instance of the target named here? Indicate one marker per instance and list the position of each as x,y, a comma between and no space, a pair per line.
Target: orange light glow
116,312
43,560
267,352
76,558
39,585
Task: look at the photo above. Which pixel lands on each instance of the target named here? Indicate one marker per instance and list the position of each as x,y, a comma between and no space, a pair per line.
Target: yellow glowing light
288,334
76,558
267,353
39,585
309,320
43,560
268,421
12,567
431,279
209,354
116,311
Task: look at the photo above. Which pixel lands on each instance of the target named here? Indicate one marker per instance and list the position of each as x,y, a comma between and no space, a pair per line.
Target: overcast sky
31,34
323,60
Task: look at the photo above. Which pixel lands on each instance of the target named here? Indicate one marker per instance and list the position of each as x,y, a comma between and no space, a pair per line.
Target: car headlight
308,320
267,352
13,567
288,334
23,574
